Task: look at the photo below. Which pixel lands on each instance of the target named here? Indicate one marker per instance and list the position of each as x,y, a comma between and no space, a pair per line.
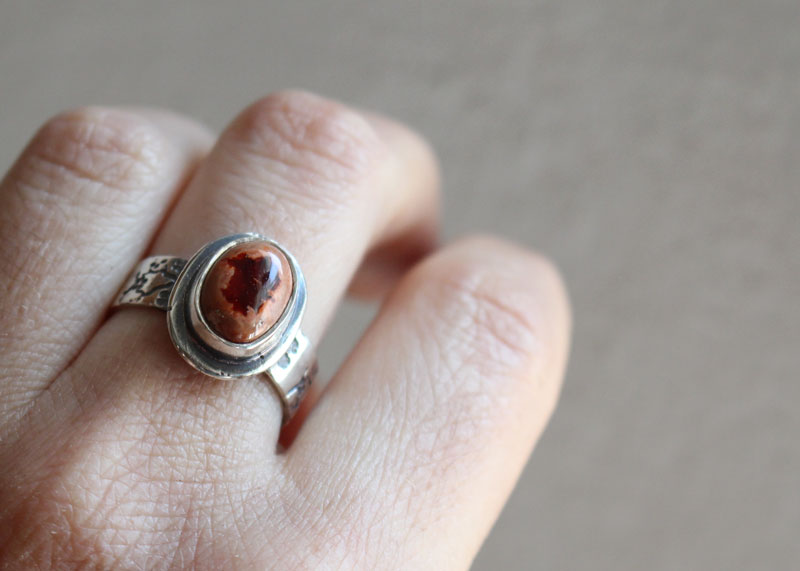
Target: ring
233,310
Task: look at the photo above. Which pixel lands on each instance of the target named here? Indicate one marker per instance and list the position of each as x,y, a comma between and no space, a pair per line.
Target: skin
115,454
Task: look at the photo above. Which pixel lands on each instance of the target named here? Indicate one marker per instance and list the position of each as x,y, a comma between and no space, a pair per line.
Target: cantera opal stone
246,291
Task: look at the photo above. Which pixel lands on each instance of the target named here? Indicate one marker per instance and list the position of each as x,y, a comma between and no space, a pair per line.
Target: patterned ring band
233,310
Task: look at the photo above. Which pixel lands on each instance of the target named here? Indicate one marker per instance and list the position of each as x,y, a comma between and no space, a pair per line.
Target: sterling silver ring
233,310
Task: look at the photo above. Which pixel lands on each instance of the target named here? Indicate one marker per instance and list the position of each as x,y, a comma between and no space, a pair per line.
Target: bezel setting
201,346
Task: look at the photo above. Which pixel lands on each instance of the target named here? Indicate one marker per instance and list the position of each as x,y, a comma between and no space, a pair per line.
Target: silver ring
233,310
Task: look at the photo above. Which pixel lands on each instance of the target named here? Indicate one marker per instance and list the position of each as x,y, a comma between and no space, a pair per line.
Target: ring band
233,310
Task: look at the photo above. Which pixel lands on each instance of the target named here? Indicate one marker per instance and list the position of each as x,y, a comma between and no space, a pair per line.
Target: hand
114,453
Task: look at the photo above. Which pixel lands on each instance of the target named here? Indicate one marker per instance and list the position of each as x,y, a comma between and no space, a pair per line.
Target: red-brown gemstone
246,291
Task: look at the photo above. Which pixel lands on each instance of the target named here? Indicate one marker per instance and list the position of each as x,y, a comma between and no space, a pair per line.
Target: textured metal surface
650,147
151,282
284,355
293,374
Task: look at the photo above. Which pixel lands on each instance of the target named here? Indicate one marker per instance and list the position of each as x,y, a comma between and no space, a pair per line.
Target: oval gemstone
246,291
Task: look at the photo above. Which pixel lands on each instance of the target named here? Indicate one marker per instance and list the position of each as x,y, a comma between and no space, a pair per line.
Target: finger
322,180
426,427
327,182
77,209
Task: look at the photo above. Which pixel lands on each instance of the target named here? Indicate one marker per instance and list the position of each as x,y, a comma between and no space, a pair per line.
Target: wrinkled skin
114,453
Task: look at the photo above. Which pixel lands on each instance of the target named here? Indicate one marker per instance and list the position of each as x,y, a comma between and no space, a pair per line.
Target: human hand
114,453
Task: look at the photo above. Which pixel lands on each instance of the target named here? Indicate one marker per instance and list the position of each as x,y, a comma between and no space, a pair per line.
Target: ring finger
326,182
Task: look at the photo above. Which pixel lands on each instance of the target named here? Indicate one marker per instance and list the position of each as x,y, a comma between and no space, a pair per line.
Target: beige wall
651,147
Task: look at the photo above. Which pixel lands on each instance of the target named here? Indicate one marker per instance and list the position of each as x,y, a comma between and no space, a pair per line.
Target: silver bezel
201,346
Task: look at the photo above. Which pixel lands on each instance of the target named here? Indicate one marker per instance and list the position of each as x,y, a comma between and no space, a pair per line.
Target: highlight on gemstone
246,291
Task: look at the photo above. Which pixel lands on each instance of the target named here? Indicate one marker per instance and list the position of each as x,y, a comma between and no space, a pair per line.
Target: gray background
652,148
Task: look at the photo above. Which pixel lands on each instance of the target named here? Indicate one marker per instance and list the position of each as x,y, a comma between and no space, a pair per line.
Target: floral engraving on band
295,396
152,284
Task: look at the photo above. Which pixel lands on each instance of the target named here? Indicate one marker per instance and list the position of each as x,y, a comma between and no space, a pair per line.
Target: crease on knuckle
95,151
483,352
488,354
493,321
323,150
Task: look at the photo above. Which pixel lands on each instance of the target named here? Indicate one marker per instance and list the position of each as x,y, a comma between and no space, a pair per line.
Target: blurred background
652,148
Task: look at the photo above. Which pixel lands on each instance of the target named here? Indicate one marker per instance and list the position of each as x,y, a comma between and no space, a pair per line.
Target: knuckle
317,139
489,349
490,310
93,149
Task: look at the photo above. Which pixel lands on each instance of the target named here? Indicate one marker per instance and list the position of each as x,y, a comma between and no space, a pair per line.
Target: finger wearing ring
233,310
332,187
